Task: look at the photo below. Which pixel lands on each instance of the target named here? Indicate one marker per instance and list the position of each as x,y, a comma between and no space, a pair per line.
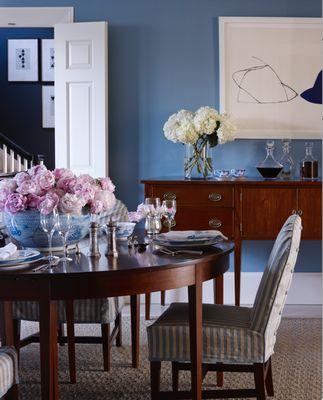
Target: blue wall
21,103
163,55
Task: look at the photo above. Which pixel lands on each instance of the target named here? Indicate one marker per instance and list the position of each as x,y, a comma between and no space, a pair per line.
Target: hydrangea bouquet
44,190
205,127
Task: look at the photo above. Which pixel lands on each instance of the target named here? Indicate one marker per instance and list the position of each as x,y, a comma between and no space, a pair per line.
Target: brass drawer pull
215,197
215,223
300,212
169,196
165,223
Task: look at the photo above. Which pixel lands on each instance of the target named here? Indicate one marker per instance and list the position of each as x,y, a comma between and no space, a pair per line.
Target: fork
173,253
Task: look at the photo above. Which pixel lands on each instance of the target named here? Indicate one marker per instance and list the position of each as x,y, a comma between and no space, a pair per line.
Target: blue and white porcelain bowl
124,230
24,228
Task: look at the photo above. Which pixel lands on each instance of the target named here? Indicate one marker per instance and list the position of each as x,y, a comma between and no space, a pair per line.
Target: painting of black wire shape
261,84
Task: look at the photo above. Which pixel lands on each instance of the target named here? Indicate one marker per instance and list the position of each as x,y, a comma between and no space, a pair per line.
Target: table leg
147,306
6,322
195,319
135,327
237,271
218,299
48,349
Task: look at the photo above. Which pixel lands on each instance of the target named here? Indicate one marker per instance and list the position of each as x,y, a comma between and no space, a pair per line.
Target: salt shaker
94,243
111,240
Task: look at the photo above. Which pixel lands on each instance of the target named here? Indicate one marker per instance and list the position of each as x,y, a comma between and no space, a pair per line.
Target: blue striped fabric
8,369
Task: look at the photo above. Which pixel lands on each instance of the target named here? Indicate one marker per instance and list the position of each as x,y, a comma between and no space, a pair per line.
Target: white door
81,97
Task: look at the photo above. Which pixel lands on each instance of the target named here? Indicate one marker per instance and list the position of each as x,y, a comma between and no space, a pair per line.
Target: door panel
310,208
81,122
264,211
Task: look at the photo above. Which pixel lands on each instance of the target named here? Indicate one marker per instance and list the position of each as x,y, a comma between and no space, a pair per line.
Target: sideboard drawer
195,194
221,219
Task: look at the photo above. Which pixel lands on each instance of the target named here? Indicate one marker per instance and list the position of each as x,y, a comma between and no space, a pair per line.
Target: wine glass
153,204
48,223
169,211
64,225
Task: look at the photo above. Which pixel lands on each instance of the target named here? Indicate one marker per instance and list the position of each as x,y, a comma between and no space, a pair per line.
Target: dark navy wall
21,103
163,56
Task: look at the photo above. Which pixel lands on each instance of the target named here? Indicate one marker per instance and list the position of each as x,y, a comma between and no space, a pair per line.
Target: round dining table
132,273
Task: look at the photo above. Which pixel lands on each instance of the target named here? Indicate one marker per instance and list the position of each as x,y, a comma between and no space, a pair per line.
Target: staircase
14,159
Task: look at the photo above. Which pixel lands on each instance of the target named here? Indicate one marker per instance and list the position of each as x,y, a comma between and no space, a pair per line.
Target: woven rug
296,367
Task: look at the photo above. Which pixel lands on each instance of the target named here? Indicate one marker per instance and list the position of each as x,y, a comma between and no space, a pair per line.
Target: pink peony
33,201
107,198
21,177
37,169
4,193
66,184
27,187
86,178
60,173
135,216
85,190
8,184
48,203
15,203
96,207
45,180
71,203
106,184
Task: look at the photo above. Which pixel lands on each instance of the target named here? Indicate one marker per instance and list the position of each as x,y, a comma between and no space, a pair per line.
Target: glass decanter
309,165
269,168
287,161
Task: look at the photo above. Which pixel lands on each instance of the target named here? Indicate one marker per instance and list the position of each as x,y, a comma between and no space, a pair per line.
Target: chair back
275,283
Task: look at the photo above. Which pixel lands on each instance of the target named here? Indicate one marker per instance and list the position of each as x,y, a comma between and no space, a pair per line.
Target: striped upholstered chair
89,311
237,339
8,373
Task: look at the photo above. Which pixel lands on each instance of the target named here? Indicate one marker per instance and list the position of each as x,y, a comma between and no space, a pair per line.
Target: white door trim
35,17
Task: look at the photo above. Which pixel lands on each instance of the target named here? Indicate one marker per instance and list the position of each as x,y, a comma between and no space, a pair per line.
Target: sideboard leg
237,271
147,306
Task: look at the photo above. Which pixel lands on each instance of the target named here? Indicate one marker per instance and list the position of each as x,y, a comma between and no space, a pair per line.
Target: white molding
35,17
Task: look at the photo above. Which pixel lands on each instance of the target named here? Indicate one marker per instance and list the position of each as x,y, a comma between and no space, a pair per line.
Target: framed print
271,76
22,60
47,60
48,106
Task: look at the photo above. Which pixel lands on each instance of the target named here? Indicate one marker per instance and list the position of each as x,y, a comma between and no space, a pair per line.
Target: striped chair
88,311
8,373
237,339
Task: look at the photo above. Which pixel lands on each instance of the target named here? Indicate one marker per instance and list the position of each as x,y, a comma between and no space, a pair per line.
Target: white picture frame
47,60
48,106
276,60
22,60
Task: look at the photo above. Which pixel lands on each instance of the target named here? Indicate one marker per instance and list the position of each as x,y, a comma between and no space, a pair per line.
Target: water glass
169,211
64,225
48,223
153,204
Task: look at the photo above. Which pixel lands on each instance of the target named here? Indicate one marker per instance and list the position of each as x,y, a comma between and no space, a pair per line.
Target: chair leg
119,334
13,393
16,336
105,328
155,367
259,372
269,380
60,334
71,339
175,374
147,306
162,297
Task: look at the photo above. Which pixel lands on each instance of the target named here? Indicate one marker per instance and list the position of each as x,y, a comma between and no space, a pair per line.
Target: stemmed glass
48,223
64,225
153,204
153,223
169,211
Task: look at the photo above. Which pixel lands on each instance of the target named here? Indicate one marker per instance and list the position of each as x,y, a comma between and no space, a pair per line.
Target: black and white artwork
48,104
22,60
48,60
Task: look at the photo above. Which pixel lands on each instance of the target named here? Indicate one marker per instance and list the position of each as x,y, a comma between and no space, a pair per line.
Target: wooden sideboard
243,209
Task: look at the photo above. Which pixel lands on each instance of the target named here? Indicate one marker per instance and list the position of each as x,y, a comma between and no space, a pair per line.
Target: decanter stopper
94,243
111,240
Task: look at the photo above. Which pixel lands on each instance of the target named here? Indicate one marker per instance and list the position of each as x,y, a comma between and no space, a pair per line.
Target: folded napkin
192,235
7,251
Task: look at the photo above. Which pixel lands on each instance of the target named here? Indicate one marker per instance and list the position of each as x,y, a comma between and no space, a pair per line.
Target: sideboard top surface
239,181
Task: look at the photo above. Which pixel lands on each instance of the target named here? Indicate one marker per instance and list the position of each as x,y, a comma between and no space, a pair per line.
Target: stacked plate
188,239
21,258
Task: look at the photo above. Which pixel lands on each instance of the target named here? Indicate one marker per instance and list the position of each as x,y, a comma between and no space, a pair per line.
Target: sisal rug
296,367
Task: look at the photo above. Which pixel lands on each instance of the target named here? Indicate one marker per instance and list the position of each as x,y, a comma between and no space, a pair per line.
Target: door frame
35,17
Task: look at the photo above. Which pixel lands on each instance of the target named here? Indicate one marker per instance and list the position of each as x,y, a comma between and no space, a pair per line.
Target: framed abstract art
22,60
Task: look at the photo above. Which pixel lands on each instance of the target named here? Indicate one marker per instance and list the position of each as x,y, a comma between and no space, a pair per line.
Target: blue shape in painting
314,94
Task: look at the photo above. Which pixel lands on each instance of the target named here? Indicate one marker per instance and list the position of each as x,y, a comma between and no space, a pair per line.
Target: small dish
222,173
238,172
124,230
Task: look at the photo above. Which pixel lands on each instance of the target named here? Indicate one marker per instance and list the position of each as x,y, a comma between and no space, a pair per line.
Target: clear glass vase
198,162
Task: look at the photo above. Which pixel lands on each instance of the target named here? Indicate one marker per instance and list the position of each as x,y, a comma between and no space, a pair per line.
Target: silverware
42,267
174,252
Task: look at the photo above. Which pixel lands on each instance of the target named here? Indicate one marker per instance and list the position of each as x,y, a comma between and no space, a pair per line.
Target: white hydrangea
205,120
227,130
180,127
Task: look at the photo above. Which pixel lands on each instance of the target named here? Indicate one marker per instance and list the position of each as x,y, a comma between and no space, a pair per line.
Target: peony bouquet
204,127
41,189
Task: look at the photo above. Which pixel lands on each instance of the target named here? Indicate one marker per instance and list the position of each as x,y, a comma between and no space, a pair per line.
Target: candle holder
111,240
94,243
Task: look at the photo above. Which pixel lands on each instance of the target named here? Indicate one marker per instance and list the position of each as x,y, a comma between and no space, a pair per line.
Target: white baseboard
306,289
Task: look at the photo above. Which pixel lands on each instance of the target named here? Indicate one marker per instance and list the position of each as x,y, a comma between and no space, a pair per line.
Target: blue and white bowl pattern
124,230
25,229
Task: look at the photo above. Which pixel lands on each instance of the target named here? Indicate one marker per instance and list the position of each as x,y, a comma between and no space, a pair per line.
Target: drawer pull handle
215,223
300,212
169,196
172,224
294,212
215,197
